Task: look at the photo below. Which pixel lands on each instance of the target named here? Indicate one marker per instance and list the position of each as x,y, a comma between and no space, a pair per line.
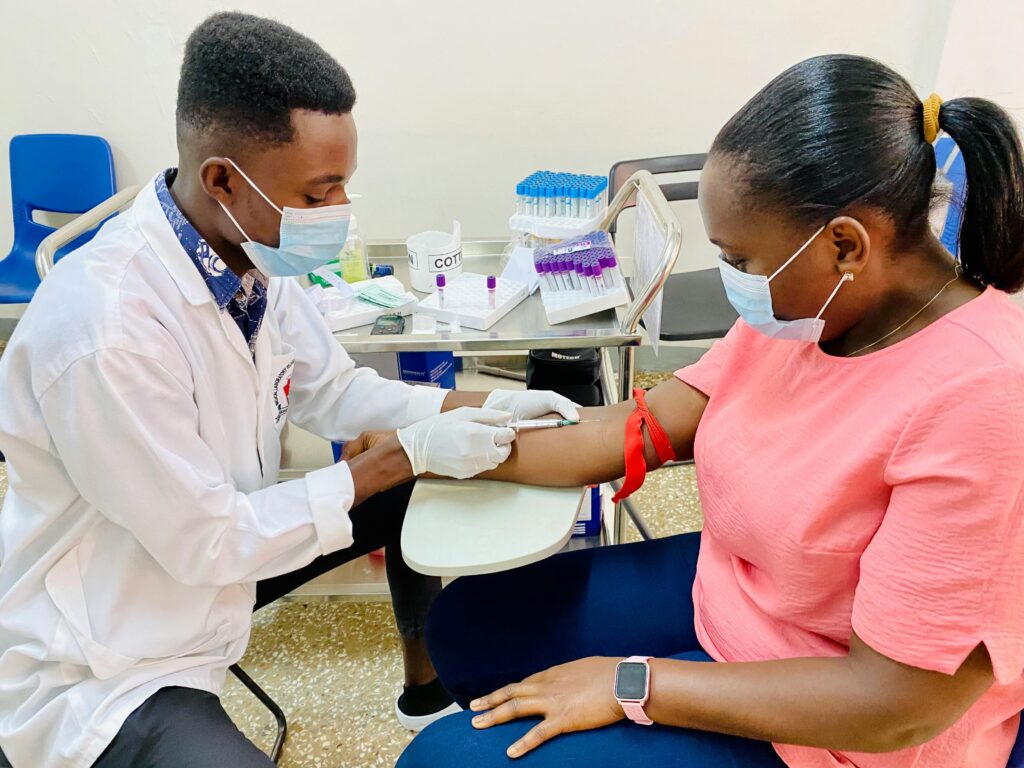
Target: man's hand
365,442
532,404
577,696
460,443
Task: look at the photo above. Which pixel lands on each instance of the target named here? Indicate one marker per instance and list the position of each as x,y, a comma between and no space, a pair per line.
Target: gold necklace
956,276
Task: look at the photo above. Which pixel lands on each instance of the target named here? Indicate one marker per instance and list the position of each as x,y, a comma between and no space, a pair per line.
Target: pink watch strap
634,710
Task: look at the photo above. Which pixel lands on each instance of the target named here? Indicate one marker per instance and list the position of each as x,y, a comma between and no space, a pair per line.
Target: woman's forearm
585,454
860,703
811,702
592,452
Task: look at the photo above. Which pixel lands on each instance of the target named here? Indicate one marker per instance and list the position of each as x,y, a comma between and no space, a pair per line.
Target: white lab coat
144,446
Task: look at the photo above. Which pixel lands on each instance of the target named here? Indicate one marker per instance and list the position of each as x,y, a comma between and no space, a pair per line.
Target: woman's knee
447,628
453,741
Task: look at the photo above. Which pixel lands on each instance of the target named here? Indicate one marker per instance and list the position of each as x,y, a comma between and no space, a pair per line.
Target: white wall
980,57
458,99
981,54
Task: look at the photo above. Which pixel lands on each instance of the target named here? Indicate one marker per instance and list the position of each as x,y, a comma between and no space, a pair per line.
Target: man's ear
219,179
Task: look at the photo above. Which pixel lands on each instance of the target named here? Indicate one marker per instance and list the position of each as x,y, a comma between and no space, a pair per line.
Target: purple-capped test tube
492,291
441,299
599,280
581,274
587,278
592,273
541,266
609,263
550,269
549,276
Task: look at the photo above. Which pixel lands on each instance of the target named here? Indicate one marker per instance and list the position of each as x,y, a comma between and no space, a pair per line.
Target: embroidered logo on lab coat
282,388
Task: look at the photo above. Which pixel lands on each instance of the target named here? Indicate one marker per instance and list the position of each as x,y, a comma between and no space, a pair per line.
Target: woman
859,440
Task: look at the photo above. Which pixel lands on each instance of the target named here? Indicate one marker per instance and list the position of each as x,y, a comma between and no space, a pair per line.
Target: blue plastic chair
951,163
58,172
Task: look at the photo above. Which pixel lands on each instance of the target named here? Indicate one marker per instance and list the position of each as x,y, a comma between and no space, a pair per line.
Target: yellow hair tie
931,117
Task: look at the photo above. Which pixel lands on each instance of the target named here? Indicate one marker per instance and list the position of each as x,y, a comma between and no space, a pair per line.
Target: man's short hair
244,75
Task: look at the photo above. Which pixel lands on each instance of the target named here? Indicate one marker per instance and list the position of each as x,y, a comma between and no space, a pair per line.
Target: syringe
547,423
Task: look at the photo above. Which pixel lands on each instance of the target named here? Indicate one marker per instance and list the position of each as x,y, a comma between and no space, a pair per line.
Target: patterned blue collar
222,282
244,298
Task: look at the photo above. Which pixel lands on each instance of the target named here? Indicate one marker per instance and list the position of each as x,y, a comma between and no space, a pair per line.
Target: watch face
631,681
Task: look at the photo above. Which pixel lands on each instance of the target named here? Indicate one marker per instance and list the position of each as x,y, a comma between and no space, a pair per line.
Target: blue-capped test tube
520,200
550,201
567,201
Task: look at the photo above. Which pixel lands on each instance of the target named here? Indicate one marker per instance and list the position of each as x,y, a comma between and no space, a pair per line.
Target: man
144,393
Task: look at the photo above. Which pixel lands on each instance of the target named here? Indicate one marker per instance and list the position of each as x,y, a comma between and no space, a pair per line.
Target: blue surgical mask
310,237
751,297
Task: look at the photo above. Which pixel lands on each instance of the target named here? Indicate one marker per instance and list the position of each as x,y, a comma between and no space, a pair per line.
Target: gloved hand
460,443
532,404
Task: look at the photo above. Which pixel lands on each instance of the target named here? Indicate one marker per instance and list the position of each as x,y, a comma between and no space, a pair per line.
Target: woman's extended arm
593,452
588,453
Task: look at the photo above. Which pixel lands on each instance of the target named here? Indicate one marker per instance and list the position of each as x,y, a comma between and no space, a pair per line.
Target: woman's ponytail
992,230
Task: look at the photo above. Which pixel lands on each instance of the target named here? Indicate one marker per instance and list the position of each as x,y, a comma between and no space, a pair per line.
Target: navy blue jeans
487,631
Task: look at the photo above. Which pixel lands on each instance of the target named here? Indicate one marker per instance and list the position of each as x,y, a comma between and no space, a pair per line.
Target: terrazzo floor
335,667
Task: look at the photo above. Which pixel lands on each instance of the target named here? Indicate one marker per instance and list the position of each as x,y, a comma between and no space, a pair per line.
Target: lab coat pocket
64,586
66,589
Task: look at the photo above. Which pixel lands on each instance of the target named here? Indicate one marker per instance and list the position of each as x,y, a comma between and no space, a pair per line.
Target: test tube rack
468,302
557,205
562,306
579,277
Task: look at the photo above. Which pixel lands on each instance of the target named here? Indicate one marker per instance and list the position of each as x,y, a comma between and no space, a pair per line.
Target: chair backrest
951,164
61,173
673,191
651,270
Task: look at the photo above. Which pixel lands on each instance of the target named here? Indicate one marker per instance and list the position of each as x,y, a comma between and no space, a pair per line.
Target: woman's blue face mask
751,297
310,237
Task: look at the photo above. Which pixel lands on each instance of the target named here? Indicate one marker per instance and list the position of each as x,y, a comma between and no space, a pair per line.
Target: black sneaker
420,705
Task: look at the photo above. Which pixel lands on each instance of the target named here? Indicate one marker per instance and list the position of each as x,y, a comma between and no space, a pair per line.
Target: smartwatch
633,687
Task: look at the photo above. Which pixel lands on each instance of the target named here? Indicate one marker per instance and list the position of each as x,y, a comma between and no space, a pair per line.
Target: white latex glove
460,443
532,404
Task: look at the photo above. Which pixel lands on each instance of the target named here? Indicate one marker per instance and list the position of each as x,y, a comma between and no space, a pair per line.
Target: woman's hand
577,696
